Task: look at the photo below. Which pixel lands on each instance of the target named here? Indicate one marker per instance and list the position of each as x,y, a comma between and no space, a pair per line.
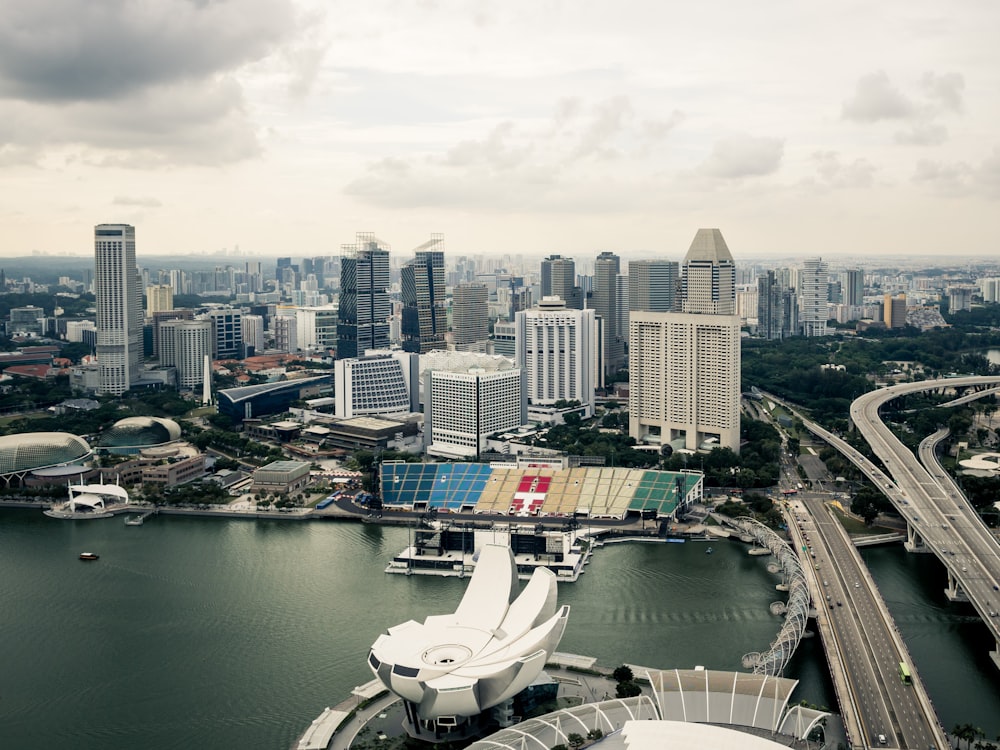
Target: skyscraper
812,287
854,287
119,308
555,347
709,284
605,302
424,318
184,345
159,298
653,285
777,308
559,280
684,389
364,297
470,317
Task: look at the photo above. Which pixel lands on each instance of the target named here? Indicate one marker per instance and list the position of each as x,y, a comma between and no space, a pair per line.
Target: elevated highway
939,519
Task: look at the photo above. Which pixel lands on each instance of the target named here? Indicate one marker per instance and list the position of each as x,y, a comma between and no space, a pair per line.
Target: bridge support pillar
914,542
954,591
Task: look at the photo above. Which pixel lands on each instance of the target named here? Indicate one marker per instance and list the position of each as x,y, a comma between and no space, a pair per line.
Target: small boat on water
709,551
89,556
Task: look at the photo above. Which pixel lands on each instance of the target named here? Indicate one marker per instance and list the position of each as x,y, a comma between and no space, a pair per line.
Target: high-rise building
555,346
853,282
959,298
605,303
159,298
253,334
654,285
364,297
227,333
119,308
463,409
504,339
777,308
184,345
377,384
422,290
684,387
709,282
559,280
812,288
286,334
470,317
894,311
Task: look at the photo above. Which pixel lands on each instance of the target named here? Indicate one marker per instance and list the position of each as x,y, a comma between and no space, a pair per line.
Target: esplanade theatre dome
139,432
33,450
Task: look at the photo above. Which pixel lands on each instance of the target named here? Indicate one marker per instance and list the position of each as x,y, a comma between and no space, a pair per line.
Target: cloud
945,89
139,83
136,200
744,156
875,98
834,173
923,134
62,50
582,158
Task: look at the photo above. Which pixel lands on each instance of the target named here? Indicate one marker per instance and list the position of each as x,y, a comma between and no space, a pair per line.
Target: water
236,634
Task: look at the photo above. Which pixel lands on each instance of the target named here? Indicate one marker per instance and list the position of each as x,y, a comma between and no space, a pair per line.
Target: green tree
574,739
623,674
627,689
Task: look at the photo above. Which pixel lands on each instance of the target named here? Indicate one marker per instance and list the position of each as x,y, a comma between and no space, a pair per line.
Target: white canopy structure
494,645
95,497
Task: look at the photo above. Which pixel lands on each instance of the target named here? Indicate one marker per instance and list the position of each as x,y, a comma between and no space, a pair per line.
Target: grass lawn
854,527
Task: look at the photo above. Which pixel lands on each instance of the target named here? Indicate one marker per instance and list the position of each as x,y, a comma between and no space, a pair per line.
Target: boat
89,556
134,520
709,551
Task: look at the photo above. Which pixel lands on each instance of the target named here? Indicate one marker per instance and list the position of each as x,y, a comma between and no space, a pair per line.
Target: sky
285,127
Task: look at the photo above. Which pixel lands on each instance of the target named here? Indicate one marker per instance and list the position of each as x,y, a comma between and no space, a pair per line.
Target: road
938,516
866,639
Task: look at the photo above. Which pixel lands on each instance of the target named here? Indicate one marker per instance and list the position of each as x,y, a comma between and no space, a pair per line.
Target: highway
867,643
938,516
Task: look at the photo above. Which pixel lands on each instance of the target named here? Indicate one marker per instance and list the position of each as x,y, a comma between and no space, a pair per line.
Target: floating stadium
593,492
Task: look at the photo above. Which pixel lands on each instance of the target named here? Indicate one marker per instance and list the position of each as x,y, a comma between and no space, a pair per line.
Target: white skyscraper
556,347
119,308
184,344
684,388
813,285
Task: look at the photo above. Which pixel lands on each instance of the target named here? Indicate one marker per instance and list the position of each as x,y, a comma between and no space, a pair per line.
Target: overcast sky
533,126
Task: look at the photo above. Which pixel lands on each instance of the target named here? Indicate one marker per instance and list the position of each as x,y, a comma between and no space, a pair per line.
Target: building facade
184,344
654,286
159,298
422,290
377,384
470,317
813,287
684,386
556,347
364,297
119,308
463,409
607,268
777,309
558,279
227,333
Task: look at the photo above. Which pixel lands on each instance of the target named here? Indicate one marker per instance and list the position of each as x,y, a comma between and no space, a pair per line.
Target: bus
904,674
790,492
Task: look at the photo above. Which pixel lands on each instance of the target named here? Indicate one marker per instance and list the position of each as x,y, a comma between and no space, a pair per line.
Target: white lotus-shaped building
493,646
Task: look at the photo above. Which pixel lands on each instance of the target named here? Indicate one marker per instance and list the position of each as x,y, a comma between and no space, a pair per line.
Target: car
881,739
826,583
857,585
995,587
964,569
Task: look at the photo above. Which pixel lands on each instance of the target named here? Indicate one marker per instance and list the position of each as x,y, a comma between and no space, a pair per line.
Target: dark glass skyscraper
364,297
605,304
422,288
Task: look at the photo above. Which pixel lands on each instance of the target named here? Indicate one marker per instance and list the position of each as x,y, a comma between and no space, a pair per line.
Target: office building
316,328
227,333
709,282
253,334
159,298
894,311
777,308
285,328
558,277
853,283
184,344
380,383
654,286
470,317
504,338
605,303
684,388
119,308
463,409
556,348
26,320
364,297
813,288
422,290
959,298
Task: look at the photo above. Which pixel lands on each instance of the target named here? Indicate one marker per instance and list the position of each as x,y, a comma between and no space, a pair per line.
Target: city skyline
551,128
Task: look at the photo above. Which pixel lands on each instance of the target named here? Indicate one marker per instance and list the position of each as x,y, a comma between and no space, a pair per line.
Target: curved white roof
493,646
34,450
173,429
86,501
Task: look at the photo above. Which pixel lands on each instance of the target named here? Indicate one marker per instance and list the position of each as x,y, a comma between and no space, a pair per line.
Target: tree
628,689
623,674
595,734
574,739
